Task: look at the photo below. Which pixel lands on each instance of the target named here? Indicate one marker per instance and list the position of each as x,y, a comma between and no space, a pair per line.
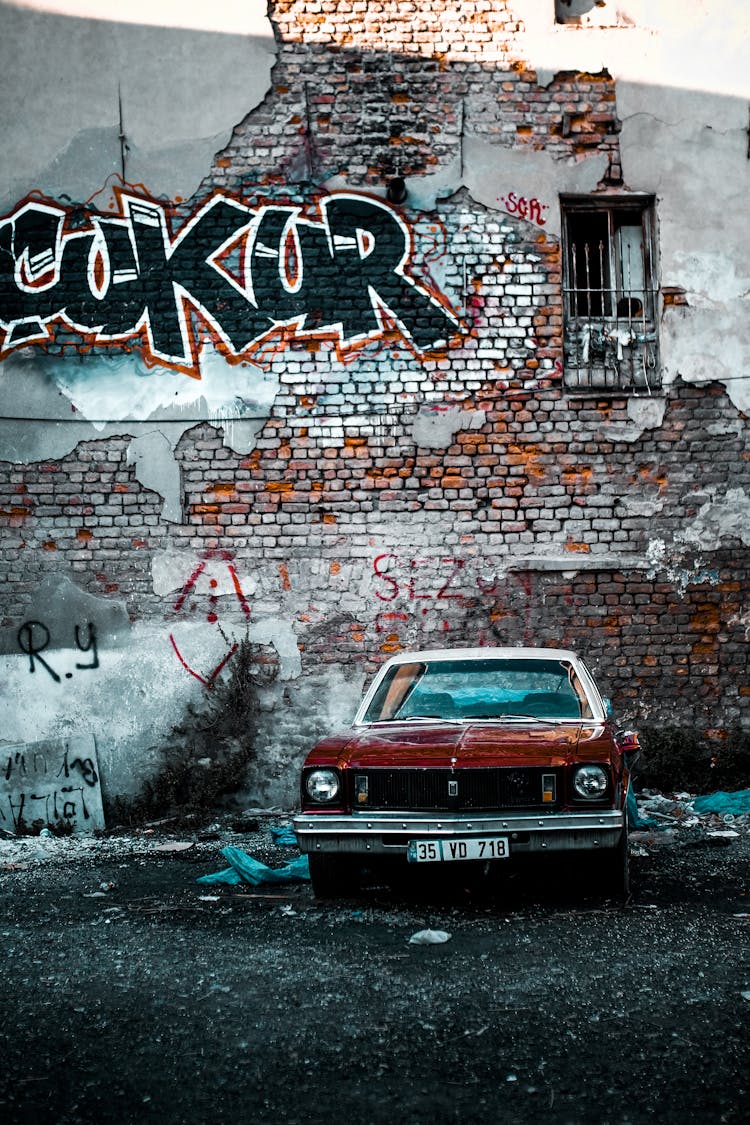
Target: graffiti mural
53,783
214,575
34,637
530,209
232,272
418,597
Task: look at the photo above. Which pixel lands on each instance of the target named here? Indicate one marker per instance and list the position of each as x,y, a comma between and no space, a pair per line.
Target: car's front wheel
614,869
333,875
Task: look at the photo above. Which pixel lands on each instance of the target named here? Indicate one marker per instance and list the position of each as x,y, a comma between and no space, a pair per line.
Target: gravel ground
134,994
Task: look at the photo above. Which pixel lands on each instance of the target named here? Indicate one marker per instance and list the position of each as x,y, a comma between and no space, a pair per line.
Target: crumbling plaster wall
682,98
153,93
340,506
157,85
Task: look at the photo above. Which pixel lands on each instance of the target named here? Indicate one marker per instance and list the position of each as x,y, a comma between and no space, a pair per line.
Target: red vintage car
471,755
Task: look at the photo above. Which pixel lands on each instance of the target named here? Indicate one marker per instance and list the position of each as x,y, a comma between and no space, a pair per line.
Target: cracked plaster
182,88
64,402
683,87
644,413
435,427
491,170
183,78
669,561
170,570
60,605
721,518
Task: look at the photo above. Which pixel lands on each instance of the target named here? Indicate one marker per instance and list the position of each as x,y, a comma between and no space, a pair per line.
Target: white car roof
484,653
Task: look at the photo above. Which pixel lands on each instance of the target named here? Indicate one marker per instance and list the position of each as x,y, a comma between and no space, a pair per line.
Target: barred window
609,293
591,13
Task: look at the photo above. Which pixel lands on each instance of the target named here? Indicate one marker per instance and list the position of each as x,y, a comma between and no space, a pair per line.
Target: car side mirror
630,747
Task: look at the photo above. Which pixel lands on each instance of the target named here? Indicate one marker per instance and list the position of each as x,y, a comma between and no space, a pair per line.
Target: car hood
443,744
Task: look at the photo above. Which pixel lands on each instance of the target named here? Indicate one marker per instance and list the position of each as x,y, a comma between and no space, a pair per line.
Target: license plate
433,851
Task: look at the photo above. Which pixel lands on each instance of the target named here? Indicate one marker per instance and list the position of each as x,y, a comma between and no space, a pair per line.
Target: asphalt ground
131,993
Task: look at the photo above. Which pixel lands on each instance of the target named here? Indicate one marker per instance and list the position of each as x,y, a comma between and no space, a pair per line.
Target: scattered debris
174,846
724,804
635,818
429,937
284,836
701,822
244,869
102,892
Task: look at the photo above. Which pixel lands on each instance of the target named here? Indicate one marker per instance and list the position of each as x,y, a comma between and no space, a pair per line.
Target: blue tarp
244,869
722,803
635,820
284,835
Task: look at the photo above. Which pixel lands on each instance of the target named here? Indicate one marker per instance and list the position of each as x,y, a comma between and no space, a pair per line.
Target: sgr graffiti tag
231,271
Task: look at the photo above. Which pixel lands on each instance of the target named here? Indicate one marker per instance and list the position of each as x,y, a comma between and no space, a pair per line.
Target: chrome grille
489,788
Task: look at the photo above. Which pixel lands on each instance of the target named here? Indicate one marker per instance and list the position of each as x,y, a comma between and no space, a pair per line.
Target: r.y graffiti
34,638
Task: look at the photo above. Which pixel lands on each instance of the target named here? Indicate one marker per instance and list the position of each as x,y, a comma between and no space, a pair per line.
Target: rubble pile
716,819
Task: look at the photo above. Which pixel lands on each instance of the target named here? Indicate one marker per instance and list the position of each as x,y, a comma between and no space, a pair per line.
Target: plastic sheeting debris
284,835
635,819
724,804
709,821
244,869
429,937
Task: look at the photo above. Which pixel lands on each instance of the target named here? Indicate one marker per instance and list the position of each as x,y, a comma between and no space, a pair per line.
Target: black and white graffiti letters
90,646
34,638
54,782
85,767
238,271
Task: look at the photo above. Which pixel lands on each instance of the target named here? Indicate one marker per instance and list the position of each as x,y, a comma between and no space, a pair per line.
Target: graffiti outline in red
212,616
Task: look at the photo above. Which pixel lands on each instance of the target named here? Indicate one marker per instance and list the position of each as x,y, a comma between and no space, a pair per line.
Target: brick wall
394,499
365,90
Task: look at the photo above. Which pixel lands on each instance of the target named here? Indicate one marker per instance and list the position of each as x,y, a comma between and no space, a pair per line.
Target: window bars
610,299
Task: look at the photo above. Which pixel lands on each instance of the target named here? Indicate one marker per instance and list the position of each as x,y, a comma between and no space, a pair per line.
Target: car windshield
462,690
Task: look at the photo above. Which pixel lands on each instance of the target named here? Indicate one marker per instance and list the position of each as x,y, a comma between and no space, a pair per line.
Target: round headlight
322,785
591,782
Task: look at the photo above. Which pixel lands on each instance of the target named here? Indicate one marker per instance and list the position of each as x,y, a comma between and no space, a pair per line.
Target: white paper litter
429,937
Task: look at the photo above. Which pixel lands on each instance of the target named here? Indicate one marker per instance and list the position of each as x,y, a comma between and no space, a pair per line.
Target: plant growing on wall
208,753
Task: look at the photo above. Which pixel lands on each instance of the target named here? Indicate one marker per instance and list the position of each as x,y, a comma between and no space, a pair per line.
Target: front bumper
387,833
